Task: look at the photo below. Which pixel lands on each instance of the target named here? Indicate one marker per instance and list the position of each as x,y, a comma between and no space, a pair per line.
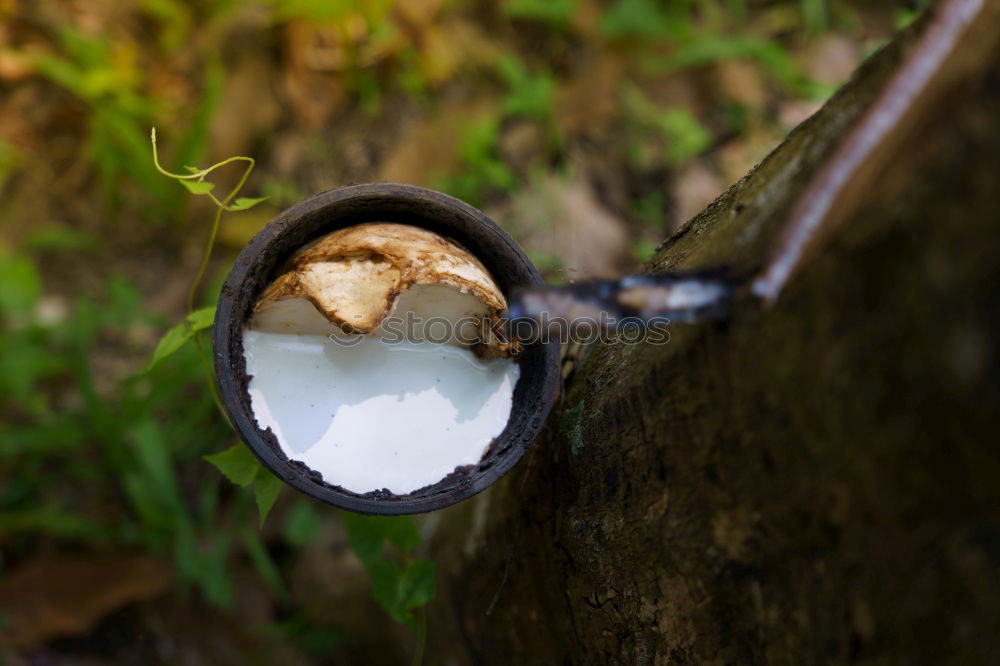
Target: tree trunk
813,482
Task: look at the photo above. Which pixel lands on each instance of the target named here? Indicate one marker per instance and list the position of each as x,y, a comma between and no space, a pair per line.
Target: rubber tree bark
817,481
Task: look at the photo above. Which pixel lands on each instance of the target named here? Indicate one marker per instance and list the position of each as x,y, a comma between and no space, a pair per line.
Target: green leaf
814,15
558,13
417,584
265,490
386,577
364,535
399,590
237,464
181,333
214,573
401,532
50,521
264,563
20,284
61,238
686,137
192,169
202,318
153,458
188,558
197,186
302,524
367,534
635,18
123,305
242,203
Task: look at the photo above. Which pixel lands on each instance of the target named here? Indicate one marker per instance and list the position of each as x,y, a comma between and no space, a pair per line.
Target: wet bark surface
813,482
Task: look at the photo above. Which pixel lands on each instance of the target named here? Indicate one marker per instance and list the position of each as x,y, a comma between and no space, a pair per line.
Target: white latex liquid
377,415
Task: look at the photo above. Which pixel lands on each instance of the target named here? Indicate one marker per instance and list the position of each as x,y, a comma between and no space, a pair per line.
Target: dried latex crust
355,276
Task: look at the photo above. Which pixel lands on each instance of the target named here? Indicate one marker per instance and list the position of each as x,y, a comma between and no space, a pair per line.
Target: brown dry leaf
586,103
60,596
55,658
418,13
14,65
344,44
677,89
740,81
15,116
246,107
587,18
379,46
522,143
179,632
428,150
169,84
777,20
795,111
832,59
440,55
738,156
563,218
447,47
694,188
313,95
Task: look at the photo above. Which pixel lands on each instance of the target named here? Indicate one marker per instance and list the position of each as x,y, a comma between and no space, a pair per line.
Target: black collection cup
262,260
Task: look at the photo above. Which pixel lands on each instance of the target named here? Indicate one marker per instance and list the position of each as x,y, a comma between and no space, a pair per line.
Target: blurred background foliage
590,129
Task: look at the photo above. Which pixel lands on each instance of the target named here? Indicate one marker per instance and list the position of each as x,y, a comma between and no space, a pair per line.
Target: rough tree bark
813,482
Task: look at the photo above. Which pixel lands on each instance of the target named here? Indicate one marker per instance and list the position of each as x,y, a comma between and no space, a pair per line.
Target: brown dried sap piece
356,277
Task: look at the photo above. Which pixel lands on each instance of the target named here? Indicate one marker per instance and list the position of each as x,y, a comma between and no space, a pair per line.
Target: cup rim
260,262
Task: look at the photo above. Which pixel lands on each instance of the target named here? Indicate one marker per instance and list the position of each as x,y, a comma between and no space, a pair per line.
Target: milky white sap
369,414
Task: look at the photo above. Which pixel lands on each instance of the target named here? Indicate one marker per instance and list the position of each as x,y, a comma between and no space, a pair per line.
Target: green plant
175,18
362,28
685,136
643,249
555,13
401,583
528,95
906,15
774,58
375,12
814,15
682,135
302,523
649,210
546,262
194,181
483,170
9,158
239,466
643,19
651,26
236,463
106,76
737,10
94,458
